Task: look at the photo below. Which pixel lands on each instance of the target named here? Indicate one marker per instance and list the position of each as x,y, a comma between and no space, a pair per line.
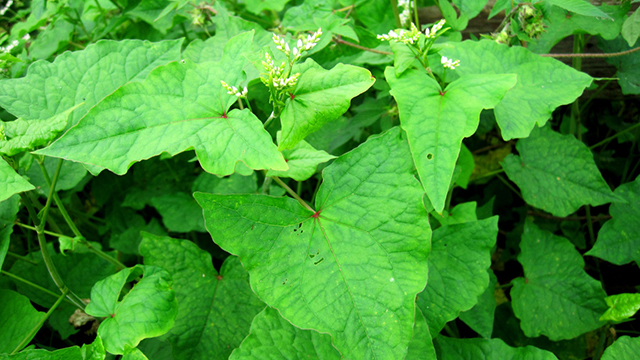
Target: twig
607,55
568,218
293,193
491,147
339,40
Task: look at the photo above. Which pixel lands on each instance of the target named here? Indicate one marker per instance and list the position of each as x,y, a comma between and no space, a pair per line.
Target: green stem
36,286
299,188
510,284
592,237
292,193
23,258
184,31
627,164
601,343
415,14
266,183
269,120
37,327
500,171
633,127
46,232
396,14
451,331
509,186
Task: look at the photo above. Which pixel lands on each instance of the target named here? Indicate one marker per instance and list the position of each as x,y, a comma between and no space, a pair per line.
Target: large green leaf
458,264
486,349
17,318
543,83
83,77
178,107
214,309
70,353
619,239
147,310
271,334
624,348
437,120
320,96
10,182
369,235
8,212
556,297
562,24
621,307
557,173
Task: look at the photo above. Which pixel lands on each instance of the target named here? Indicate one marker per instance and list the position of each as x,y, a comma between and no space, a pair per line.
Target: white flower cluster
232,90
449,63
8,48
6,7
431,33
276,74
403,36
405,15
304,44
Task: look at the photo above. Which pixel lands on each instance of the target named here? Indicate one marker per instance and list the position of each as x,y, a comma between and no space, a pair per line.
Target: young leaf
148,310
580,7
17,318
480,317
437,120
10,182
214,309
619,239
180,106
621,307
320,96
557,173
369,235
421,346
85,76
460,257
303,160
556,297
8,213
624,348
272,334
543,83
488,349
631,28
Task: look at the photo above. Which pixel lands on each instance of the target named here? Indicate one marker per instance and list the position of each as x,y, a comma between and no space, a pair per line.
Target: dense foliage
306,179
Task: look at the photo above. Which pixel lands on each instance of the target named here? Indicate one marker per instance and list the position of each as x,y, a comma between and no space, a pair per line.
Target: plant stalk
292,193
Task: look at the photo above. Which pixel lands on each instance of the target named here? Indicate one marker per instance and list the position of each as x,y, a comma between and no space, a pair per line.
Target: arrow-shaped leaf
180,106
10,182
437,120
352,268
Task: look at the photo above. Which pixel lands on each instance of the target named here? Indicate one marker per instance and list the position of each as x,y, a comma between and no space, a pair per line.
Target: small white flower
431,33
449,63
232,90
4,9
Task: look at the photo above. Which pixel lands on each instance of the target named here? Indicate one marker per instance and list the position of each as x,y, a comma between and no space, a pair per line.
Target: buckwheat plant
420,43
279,77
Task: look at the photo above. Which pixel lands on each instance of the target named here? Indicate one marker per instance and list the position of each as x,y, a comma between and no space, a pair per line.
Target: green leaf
214,310
461,213
180,106
320,96
70,353
631,28
470,8
480,317
180,212
234,184
543,83
561,24
148,310
557,173
369,235
17,318
70,175
624,348
150,12
134,354
272,334
621,307
580,7
79,77
258,6
437,120
487,349
421,346
403,57
29,134
11,183
619,238
556,297
460,257
303,159
8,213
466,163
